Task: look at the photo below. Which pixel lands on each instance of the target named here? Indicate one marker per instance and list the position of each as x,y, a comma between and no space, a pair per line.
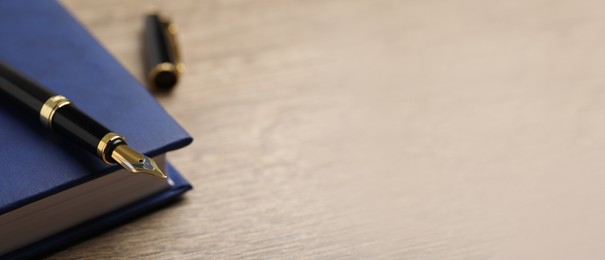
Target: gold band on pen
103,144
162,67
172,31
50,107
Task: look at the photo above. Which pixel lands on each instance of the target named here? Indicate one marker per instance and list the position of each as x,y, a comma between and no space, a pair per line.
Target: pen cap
162,59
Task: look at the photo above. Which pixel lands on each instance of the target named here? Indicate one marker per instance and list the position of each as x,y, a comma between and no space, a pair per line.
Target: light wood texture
374,129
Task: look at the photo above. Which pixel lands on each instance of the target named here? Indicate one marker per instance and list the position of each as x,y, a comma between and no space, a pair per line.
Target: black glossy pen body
27,94
70,122
161,57
67,120
158,43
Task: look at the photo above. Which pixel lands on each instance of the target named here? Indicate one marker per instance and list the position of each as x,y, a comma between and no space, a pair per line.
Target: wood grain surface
374,129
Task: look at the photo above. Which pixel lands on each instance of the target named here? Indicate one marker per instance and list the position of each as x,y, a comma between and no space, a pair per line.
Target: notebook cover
43,41
100,224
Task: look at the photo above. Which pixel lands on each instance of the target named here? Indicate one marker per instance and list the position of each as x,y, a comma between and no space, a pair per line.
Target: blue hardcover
43,41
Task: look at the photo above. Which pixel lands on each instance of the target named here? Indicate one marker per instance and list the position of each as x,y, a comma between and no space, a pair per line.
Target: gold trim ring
50,107
102,146
159,68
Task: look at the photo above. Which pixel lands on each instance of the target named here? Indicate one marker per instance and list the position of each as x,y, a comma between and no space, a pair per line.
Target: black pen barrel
72,123
27,94
58,113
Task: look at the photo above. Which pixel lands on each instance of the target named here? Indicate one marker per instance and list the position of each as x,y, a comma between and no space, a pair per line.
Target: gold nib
133,161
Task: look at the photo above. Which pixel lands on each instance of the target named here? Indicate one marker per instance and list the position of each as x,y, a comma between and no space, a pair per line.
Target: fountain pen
60,115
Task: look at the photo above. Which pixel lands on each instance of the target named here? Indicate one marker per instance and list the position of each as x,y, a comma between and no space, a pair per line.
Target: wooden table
375,129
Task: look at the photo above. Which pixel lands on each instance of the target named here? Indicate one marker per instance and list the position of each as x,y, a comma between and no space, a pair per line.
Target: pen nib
134,161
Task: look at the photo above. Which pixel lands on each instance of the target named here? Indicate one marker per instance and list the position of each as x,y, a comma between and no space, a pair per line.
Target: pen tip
136,162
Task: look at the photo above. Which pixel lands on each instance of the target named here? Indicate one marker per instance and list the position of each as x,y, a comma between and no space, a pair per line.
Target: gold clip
171,31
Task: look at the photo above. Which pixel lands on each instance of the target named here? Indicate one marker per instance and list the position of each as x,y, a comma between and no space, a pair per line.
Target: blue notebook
43,41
